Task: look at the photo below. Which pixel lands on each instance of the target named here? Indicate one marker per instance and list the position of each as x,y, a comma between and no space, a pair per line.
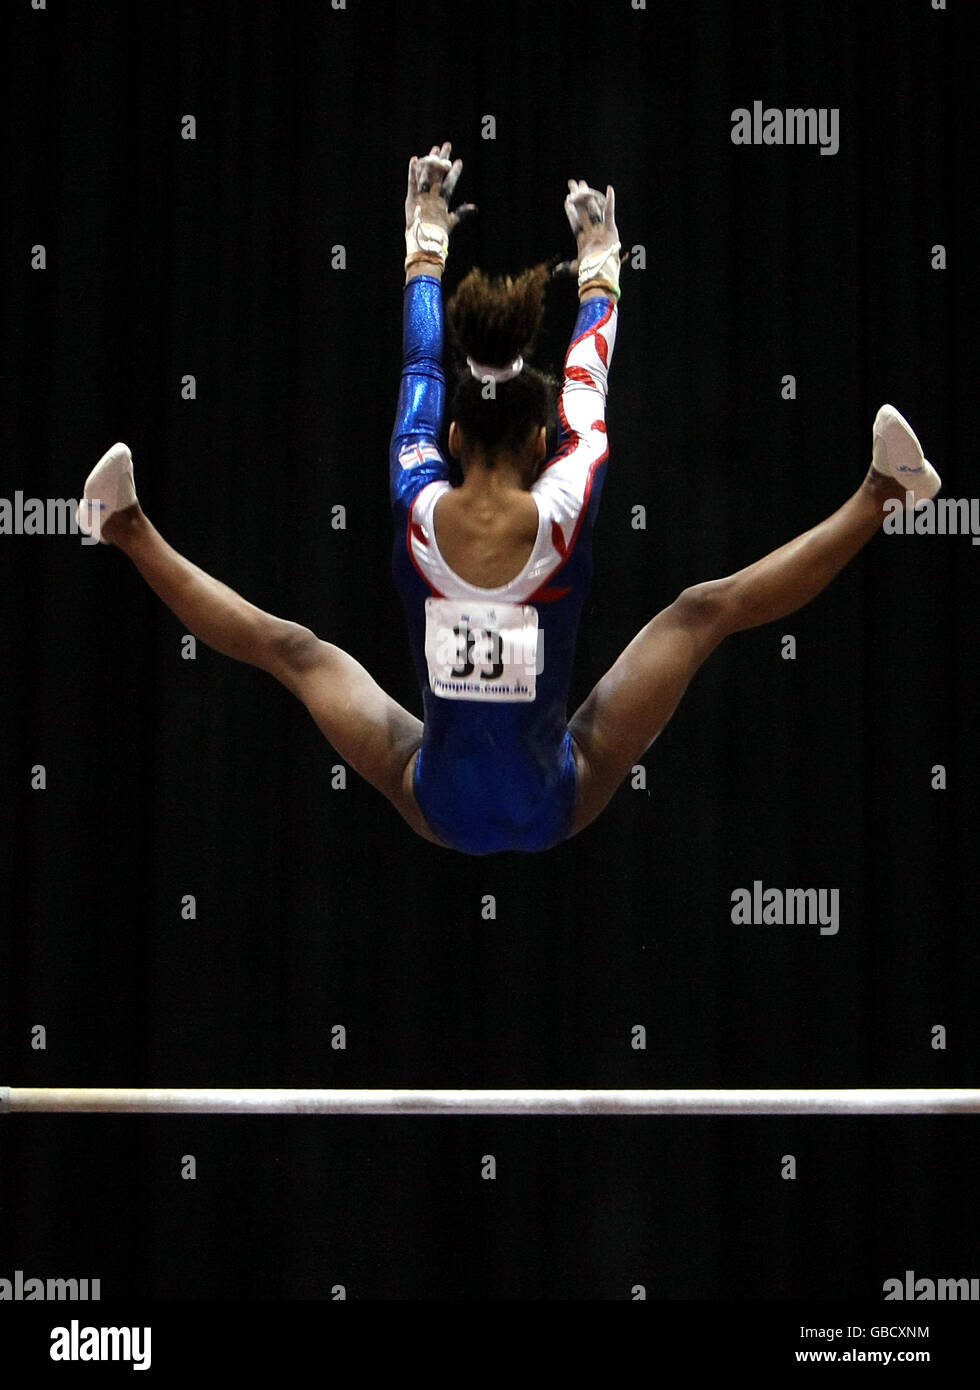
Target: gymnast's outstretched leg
632,703
370,731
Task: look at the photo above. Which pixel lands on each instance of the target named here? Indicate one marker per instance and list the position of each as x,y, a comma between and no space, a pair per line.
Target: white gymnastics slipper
898,454
108,488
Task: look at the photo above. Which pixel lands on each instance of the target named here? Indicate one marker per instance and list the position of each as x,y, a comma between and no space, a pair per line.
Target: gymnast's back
496,769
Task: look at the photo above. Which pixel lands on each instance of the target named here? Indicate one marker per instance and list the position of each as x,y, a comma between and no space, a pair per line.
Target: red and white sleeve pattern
565,482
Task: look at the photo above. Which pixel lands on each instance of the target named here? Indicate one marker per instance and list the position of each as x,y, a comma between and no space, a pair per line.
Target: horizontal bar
128,1100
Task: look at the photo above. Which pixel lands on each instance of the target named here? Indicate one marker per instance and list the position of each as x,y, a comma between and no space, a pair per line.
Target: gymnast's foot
109,500
897,456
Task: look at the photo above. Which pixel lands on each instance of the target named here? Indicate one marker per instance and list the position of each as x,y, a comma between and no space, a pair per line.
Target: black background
318,907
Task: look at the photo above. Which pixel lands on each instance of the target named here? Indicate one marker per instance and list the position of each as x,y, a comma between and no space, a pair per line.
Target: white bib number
482,651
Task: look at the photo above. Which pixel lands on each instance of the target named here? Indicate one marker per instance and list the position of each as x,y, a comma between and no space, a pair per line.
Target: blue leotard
496,769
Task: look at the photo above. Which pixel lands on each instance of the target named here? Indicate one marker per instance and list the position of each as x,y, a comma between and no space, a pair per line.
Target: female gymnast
493,572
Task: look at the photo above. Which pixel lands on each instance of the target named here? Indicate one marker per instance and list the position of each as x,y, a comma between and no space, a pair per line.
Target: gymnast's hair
494,321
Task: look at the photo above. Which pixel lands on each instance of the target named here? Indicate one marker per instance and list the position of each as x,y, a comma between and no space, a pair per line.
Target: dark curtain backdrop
317,907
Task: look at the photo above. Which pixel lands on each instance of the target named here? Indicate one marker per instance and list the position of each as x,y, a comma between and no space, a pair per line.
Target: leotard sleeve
567,482
415,459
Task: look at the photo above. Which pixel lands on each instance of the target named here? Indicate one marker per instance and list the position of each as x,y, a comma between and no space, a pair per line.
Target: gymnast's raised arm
582,403
415,458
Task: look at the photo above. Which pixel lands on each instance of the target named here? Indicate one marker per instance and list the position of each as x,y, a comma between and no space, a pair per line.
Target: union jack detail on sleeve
411,455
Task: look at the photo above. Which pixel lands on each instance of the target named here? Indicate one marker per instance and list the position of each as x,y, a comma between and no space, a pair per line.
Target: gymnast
493,572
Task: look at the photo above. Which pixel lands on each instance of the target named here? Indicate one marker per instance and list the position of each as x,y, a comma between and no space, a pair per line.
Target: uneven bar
128,1100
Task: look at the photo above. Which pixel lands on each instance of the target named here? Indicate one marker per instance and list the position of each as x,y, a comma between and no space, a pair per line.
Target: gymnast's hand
431,182
592,218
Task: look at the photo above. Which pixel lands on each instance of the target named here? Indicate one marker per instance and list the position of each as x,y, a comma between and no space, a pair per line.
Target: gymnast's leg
632,703
370,731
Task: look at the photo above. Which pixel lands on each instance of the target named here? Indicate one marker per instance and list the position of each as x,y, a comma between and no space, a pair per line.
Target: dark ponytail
494,321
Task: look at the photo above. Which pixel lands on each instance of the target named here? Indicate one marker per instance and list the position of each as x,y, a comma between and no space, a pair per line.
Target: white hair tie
497,373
